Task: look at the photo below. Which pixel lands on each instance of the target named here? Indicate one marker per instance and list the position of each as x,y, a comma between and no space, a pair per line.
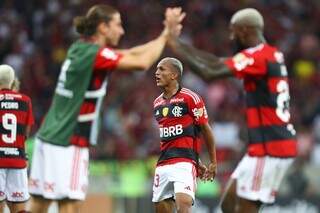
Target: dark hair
86,25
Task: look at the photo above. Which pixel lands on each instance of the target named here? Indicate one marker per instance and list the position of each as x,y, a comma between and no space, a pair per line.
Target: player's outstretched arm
206,65
143,56
209,140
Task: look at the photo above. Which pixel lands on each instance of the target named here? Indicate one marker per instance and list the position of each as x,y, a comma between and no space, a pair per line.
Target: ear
174,76
102,27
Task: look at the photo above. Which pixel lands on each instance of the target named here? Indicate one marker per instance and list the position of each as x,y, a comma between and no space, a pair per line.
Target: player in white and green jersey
60,160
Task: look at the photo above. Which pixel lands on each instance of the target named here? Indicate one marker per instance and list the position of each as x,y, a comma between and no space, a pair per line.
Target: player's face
164,74
236,35
113,30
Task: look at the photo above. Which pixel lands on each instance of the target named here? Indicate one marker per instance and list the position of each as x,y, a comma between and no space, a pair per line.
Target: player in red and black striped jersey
16,119
272,141
182,117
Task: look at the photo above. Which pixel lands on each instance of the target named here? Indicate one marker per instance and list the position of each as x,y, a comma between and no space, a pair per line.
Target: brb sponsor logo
171,131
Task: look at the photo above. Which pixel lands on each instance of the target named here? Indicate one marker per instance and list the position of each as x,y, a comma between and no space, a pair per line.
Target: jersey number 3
9,122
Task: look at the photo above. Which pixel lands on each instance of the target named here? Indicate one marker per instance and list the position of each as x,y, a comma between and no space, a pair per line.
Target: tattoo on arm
206,65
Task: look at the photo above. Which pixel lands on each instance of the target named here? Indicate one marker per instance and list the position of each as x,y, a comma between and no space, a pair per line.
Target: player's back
15,117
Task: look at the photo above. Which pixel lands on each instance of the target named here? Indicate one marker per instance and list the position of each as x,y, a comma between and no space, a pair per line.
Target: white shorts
259,178
14,185
59,172
172,179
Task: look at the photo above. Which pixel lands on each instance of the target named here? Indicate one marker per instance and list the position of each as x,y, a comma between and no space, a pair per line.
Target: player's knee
183,205
227,207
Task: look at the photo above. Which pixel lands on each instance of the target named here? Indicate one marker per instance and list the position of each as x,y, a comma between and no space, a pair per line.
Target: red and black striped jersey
86,130
267,96
179,118
15,118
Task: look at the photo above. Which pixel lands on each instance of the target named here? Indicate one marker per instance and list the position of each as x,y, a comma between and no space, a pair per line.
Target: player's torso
75,80
14,112
268,115
176,124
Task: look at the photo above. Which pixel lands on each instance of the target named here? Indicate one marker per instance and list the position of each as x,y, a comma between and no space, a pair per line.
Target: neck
257,39
170,90
99,40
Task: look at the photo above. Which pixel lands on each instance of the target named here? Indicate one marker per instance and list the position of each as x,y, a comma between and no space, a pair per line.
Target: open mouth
158,79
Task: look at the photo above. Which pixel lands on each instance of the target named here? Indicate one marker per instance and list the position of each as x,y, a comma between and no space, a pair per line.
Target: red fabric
266,83
197,115
24,118
106,59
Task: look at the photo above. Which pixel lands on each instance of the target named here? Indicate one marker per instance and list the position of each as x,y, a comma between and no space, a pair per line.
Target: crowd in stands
35,34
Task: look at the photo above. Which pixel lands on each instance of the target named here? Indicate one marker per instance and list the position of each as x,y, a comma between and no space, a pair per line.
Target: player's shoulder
190,95
108,53
260,49
158,101
12,95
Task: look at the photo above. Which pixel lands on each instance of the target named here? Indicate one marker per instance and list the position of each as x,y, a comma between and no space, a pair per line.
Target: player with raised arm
272,145
60,160
16,119
182,117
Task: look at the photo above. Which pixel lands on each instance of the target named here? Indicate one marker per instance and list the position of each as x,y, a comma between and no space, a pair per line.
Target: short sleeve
198,110
106,59
245,64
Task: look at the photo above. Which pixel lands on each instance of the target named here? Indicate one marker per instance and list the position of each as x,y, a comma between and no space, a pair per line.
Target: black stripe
22,105
255,99
274,70
21,153
178,153
269,133
83,129
159,111
21,129
189,131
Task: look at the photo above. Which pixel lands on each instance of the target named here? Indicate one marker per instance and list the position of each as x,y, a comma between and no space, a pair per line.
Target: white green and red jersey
179,118
73,117
267,95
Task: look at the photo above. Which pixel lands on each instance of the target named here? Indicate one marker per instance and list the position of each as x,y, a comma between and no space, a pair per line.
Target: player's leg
3,178
163,192
39,167
39,204
17,206
229,197
2,205
247,206
69,206
17,189
184,186
183,203
165,206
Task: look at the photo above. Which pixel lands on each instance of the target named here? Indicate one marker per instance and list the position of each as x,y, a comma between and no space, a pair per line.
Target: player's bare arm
208,66
143,56
210,144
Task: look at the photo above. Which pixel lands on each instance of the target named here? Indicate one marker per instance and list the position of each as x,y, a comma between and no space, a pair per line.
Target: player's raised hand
173,18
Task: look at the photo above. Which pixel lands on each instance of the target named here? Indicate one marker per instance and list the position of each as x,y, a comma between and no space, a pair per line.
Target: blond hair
6,76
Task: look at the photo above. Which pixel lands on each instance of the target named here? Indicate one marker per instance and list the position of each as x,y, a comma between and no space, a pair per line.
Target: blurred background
34,37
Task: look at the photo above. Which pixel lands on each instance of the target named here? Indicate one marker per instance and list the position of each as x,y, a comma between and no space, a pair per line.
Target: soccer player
182,117
272,145
60,160
16,119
